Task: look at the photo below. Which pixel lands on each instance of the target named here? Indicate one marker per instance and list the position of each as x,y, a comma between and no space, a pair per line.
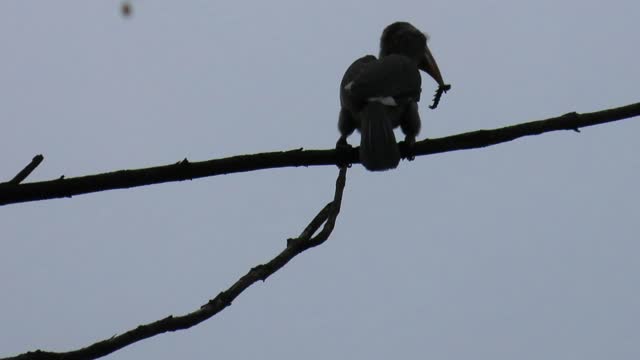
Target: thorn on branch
223,298
261,272
292,241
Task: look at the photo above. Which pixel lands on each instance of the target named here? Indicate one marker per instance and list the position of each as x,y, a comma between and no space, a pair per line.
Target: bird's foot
409,150
343,152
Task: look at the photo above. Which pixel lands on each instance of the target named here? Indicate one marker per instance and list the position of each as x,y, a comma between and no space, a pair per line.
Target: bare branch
27,170
185,170
334,211
294,247
482,138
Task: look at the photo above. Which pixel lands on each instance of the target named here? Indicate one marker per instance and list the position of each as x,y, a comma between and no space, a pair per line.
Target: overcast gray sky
526,250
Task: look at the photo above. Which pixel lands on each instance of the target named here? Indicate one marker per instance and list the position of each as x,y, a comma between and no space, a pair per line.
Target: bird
379,94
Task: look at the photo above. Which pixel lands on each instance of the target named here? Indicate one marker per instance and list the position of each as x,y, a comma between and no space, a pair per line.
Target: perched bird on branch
380,94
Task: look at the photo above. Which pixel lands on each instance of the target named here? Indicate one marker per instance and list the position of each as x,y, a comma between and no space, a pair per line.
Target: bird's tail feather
378,148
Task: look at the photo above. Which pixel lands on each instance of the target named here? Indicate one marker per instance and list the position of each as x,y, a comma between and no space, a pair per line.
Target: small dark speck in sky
126,9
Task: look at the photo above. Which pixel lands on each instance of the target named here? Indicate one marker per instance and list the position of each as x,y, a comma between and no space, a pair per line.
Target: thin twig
67,187
27,170
323,235
327,215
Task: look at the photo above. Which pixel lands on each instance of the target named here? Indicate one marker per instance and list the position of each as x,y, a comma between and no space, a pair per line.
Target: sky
526,250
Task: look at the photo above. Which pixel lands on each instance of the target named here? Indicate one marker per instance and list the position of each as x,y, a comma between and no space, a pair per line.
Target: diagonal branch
185,170
305,241
27,170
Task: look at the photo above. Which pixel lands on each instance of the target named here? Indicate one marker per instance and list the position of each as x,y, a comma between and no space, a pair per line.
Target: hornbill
378,95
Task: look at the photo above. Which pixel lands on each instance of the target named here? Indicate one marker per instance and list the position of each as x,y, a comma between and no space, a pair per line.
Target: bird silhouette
379,94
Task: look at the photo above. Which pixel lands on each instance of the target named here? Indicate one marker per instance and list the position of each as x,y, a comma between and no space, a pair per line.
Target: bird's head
403,38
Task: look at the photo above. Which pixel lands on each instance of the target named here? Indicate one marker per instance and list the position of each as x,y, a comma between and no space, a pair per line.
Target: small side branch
184,170
27,170
326,216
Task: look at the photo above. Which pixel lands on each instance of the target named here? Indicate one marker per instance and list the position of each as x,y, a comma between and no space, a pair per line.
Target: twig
294,247
27,170
186,171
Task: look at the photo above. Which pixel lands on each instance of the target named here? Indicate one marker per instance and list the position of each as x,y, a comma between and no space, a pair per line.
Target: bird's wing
356,69
353,72
392,76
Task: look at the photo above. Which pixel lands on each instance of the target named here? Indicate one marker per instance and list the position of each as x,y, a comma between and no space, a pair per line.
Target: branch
482,138
185,170
27,170
326,216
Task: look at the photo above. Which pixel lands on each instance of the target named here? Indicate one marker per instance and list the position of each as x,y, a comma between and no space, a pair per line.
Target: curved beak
428,64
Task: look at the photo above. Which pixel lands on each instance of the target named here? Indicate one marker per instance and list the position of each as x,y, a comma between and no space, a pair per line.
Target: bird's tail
378,148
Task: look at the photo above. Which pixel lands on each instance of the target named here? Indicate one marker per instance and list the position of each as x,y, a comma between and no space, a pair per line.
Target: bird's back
368,78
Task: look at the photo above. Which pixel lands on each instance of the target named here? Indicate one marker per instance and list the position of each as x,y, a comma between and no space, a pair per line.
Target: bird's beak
428,64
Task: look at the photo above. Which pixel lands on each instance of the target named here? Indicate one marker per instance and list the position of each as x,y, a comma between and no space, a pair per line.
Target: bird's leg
343,152
410,124
409,142
342,142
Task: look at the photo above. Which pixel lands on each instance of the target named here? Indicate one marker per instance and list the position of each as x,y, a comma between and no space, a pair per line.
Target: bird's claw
409,150
343,152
